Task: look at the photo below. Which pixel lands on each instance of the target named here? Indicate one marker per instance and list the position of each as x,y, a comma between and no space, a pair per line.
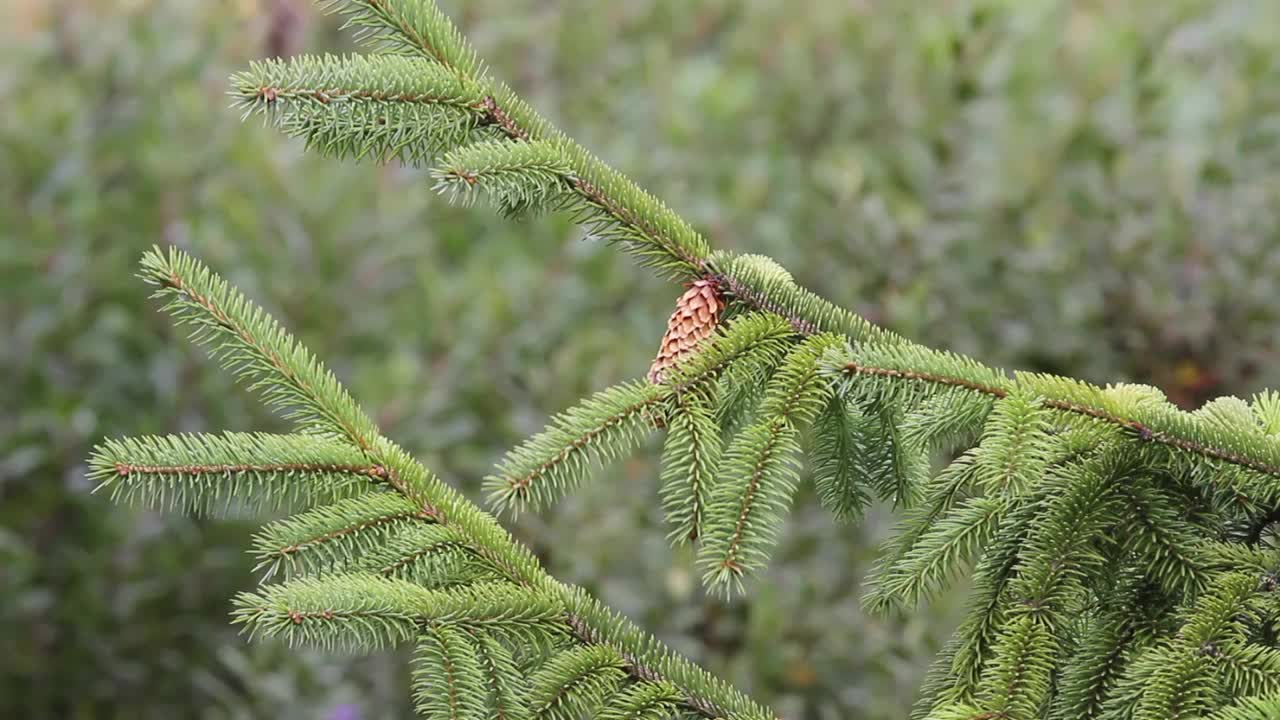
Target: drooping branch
1141,431
759,473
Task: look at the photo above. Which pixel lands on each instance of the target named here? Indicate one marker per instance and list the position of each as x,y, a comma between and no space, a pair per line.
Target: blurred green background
1090,188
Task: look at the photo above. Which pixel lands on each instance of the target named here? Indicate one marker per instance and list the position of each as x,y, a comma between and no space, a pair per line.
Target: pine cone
696,316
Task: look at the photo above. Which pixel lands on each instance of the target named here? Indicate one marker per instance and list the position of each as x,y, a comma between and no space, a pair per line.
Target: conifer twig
1138,429
269,360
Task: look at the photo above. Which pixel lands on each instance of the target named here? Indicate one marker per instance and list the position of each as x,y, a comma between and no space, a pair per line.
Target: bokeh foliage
1090,188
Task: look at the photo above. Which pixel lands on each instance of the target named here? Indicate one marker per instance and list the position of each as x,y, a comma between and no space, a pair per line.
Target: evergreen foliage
1124,551
383,553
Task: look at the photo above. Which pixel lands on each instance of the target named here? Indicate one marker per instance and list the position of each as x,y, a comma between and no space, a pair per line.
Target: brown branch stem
272,93
373,471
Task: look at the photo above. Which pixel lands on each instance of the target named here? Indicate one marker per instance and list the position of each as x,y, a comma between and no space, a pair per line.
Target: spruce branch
608,204
377,532
907,459
365,611
1215,555
334,536
506,685
263,355
941,423
740,384
1180,677
1103,650
840,469
249,343
448,675
645,659
989,602
690,460
432,556
758,474
1248,669
614,209
1250,708
1059,550
897,459
558,459
643,701
759,283
212,474
385,563
1244,454
943,548
941,494
517,176
576,683
352,79
1166,545
409,27
1016,446
1018,679
382,107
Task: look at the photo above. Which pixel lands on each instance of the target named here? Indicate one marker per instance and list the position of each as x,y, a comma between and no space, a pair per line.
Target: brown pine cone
696,316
